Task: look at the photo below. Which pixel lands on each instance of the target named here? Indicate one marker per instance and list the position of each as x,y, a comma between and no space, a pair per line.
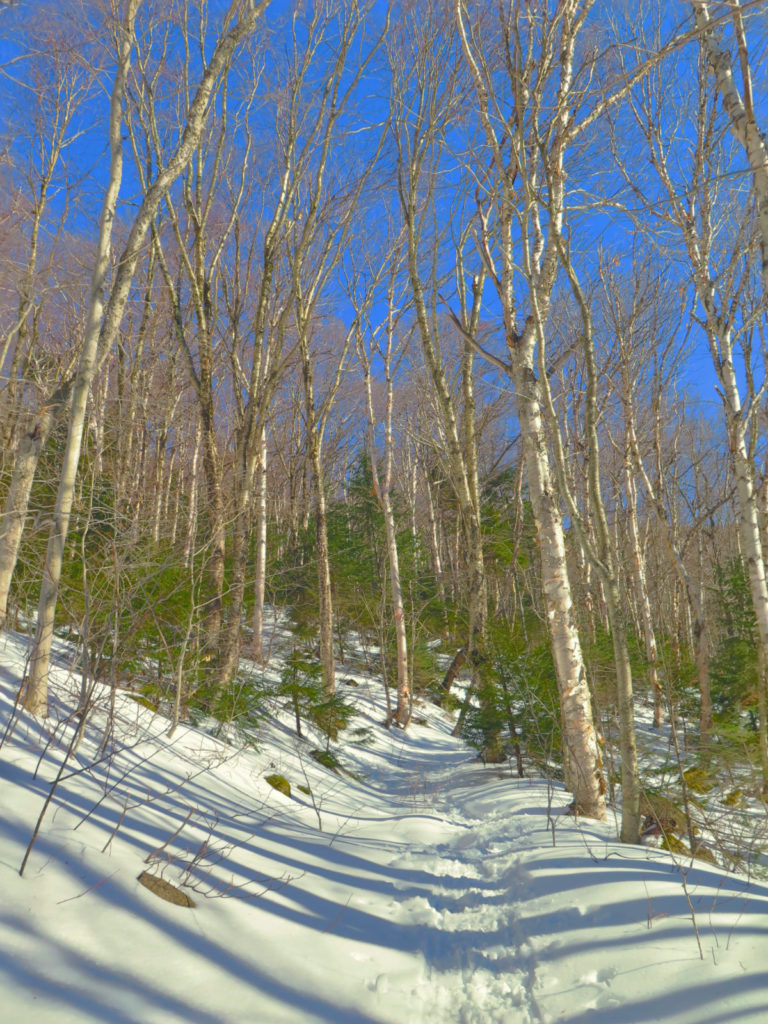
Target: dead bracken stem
684,879
54,784
156,853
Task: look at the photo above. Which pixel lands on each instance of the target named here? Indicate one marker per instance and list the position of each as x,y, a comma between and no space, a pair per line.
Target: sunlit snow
419,886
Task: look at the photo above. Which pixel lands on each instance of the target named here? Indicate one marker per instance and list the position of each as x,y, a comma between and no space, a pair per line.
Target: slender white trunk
382,486
176,506
189,536
169,481
582,761
740,109
25,463
434,540
322,554
36,691
158,486
641,590
518,202
260,571
99,405
752,553
750,541
103,323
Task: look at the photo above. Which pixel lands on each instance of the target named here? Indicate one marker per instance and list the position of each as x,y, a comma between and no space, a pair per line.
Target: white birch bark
434,539
59,101
582,761
740,108
260,570
103,323
191,530
36,690
17,500
418,172
382,482
694,214
322,555
639,576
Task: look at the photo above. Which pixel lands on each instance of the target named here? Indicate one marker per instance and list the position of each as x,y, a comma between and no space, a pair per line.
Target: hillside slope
418,885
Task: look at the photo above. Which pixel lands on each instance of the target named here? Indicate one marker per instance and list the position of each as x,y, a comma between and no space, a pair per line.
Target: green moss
305,789
700,852
280,783
698,780
674,845
326,759
145,701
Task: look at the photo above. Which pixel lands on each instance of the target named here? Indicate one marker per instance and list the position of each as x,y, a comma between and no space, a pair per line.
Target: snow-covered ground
426,887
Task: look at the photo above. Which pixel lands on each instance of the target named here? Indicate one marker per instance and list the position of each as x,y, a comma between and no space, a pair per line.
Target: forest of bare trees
433,323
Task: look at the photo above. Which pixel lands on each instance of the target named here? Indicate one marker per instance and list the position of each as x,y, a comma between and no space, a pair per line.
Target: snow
426,887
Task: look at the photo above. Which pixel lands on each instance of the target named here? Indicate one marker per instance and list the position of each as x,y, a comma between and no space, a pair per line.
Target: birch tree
716,227
598,543
36,691
202,221
380,342
61,84
105,315
322,205
523,79
634,326
426,96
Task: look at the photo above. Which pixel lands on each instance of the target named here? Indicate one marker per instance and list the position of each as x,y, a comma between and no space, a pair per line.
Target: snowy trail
428,889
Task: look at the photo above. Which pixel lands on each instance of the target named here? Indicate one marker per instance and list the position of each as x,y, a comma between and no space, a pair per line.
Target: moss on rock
280,783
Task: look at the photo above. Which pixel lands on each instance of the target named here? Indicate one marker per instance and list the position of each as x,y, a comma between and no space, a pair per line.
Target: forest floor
418,885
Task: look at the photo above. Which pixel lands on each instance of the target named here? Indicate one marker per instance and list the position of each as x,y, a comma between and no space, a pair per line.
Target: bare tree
534,59
427,95
104,319
598,542
61,83
323,201
381,342
738,102
716,228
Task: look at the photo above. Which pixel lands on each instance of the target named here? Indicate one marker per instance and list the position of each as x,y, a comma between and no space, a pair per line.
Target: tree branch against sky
104,319
350,246
536,67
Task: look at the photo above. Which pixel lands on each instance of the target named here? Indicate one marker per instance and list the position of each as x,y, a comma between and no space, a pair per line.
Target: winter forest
434,328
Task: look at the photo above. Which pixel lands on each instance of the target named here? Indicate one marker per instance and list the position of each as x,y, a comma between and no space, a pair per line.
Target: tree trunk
36,690
260,571
641,594
516,203
325,595
630,780
740,110
216,534
582,762
103,323
191,530
322,554
229,653
25,463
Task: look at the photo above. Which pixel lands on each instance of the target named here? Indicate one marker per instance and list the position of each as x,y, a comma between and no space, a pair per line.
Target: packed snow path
429,889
